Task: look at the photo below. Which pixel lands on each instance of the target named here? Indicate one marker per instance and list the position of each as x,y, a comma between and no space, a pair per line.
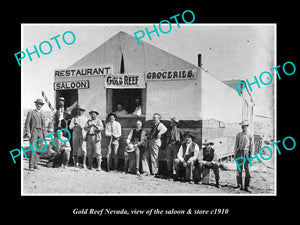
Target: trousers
171,151
199,170
152,151
112,148
93,147
79,145
132,156
34,158
239,175
188,168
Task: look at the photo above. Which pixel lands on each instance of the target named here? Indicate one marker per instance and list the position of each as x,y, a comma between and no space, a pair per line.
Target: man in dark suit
35,128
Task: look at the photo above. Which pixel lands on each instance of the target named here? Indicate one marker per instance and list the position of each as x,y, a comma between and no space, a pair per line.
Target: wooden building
120,70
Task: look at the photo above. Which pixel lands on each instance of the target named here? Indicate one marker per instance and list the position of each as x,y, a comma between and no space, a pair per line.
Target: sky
229,51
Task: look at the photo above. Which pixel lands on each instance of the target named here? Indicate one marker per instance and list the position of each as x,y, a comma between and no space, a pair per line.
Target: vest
208,156
39,121
154,131
136,135
187,157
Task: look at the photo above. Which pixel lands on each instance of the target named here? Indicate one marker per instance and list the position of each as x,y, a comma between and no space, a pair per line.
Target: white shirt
113,129
187,152
81,121
121,113
137,111
61,114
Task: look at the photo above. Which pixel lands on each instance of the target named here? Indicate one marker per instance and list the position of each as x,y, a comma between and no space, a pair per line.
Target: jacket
241,141
31,120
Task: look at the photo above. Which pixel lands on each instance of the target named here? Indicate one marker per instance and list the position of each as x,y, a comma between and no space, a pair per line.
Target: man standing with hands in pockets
154,143
79,143
94,127
35,129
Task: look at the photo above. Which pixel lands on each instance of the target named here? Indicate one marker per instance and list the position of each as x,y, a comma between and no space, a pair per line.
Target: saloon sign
82,84
125,81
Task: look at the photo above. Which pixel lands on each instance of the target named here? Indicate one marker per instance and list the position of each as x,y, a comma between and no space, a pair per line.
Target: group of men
141,152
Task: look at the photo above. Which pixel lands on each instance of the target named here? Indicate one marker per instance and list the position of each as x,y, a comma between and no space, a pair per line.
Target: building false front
120,71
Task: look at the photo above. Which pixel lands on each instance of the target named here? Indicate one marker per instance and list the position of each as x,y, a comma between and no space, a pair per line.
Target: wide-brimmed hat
175,119
189,135
39,101
208,142
112,114
61,99
129,148
94,110
80,107
244,123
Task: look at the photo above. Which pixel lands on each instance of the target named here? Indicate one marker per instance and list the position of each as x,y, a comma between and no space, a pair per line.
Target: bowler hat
129,148
244,123
112,114
80,107
61,99
94,110
189,135
208,142
175,119
39,101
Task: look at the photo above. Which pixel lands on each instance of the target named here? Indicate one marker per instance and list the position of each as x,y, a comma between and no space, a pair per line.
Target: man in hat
207,158
65,123
243,145
154,143
174,138
186,157
61,150
135,144
79,135
113,131
94,127
59,114
35,128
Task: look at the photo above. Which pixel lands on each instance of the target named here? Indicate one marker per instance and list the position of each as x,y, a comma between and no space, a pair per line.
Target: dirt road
83,181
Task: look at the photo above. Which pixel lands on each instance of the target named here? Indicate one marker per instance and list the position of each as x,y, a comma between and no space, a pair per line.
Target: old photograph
144,109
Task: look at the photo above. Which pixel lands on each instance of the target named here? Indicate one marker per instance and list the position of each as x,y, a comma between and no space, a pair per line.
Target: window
127,99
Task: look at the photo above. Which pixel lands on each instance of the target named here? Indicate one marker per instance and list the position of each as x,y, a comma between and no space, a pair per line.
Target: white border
142,24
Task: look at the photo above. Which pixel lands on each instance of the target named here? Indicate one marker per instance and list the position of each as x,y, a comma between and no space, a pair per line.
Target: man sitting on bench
207,158
186,157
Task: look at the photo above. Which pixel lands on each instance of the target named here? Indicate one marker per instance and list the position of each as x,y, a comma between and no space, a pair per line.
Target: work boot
75,160
175,177
98,164
84,161
90,163
217,184
247,190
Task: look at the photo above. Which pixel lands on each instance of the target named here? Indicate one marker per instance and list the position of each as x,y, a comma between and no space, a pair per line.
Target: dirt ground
75,181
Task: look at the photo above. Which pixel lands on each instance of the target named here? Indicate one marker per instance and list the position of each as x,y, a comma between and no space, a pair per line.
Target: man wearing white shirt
186,157
138,108
79,135
113,131
154,143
